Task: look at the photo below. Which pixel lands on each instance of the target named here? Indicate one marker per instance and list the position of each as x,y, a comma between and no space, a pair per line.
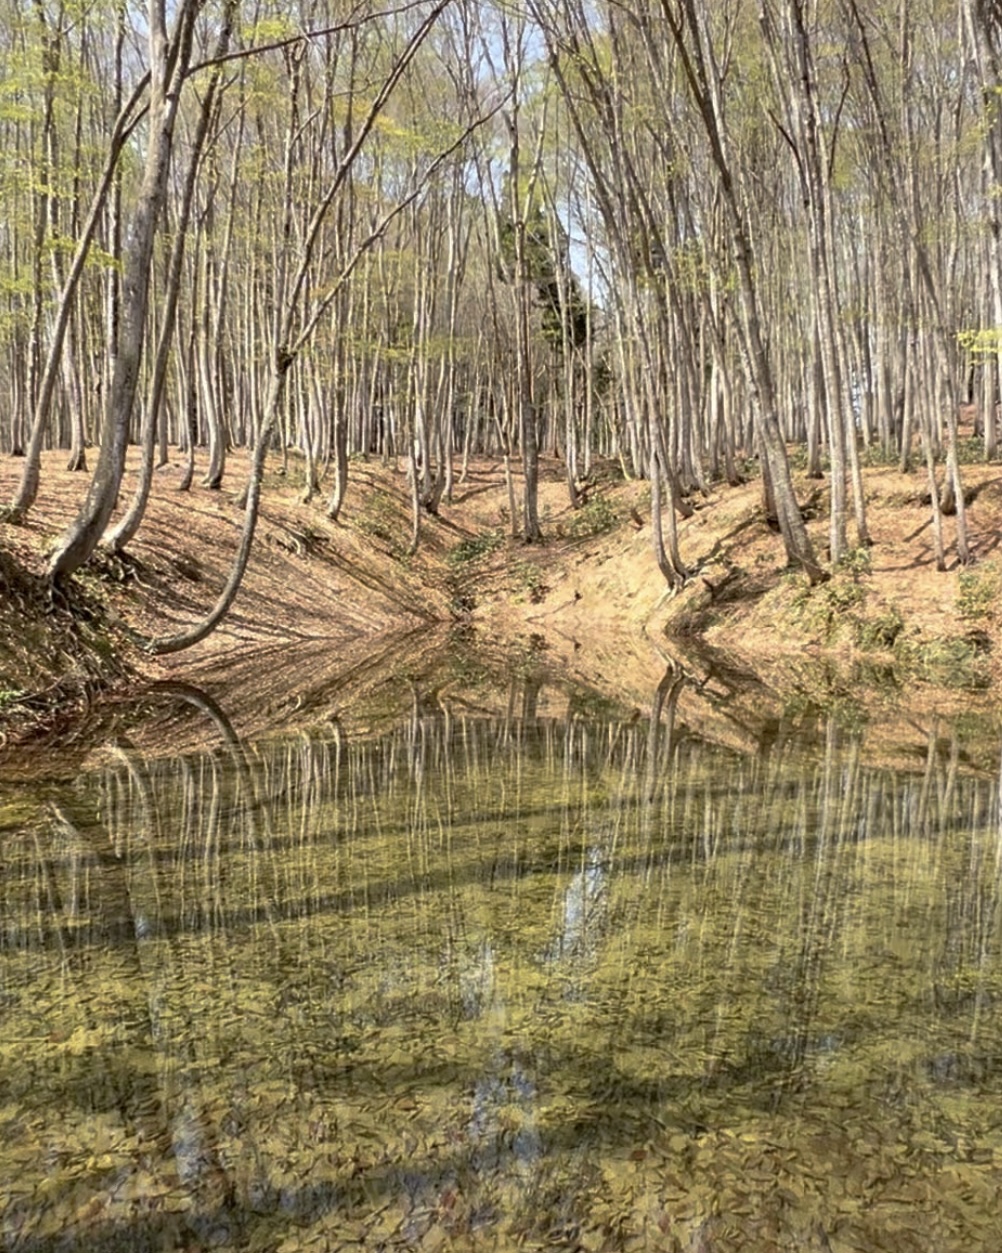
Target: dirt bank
325,601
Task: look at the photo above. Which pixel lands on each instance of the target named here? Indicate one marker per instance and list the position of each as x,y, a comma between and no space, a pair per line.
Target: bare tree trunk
126,529
528,431
288,344
28,487
252,501
704,84
167,69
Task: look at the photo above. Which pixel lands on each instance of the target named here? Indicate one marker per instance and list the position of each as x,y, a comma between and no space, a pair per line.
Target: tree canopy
694,238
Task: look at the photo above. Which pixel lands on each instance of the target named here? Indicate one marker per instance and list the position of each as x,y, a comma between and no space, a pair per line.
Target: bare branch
306,36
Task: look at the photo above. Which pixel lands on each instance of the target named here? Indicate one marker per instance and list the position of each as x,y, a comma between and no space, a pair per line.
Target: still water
557,976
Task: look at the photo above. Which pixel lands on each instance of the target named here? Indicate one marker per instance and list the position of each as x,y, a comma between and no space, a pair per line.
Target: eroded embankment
321,600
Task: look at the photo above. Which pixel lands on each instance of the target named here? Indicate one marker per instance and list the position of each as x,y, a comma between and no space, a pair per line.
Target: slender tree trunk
252,501
288,344
28,487
705,89
126,529
528,429
81,539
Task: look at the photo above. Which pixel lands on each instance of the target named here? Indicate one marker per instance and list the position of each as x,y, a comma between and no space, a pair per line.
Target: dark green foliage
594,518
978,592
881,631
473,547
561,300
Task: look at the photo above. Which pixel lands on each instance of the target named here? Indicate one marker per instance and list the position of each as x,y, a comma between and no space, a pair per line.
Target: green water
560,978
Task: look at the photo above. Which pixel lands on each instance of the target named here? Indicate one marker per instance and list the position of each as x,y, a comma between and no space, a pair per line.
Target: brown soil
324,605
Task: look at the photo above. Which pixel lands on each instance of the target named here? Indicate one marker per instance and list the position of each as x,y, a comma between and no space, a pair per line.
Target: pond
547,973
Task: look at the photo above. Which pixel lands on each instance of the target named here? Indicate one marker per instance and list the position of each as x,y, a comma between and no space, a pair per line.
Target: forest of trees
687,236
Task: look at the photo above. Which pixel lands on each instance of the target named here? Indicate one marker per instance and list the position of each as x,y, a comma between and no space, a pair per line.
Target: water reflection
567,977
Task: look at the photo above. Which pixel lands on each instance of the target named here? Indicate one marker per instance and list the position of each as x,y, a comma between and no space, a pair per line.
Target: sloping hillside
321,598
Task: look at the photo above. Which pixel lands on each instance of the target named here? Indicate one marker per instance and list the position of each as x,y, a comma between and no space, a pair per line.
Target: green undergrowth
474,547
958,663
596,517
845,624
842,608
528,582
380,517
463,560
979,589
846,610
522,579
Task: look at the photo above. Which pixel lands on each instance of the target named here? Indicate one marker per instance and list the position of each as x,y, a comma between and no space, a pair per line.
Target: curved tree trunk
669,562
252,501
28,488
286,350
703,76
125,531
167,68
